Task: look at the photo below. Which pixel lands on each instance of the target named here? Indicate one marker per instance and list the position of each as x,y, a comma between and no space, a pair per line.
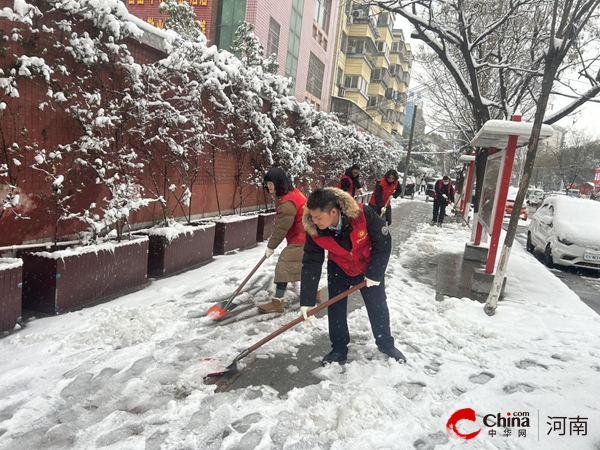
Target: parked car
510,201
566,230
535,197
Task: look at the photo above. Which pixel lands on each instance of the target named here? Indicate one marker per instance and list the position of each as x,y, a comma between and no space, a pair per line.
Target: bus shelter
502,137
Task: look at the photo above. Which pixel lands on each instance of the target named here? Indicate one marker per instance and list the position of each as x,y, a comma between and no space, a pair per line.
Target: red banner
597,179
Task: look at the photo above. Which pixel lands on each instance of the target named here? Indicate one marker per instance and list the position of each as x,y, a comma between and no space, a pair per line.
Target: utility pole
410,139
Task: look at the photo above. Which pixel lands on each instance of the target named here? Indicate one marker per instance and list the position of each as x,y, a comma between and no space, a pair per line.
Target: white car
535,197
567,230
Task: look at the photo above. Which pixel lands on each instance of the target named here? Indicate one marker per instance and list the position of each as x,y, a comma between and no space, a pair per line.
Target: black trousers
439,209
375,303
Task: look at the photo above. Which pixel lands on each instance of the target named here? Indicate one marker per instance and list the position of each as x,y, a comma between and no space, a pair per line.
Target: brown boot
319,295
274,306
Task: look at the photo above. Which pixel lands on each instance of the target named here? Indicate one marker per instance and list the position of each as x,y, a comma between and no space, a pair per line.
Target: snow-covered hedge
146,131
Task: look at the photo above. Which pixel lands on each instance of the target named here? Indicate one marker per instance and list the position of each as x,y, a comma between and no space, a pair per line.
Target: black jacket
314,255
441,188
345,186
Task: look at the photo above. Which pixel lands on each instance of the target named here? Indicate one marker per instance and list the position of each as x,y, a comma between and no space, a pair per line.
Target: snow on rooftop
495,133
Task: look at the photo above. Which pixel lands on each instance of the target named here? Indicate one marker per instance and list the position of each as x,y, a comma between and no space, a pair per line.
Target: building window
230,15
316,72
356,82
322,14
343,43
291,63
273,39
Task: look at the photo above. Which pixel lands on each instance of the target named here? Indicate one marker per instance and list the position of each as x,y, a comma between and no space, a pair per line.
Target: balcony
361,15
362,49
376,104
381,76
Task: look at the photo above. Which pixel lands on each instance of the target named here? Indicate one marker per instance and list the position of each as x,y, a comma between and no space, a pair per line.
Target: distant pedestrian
359,247
350,183
444,193
423,184
385,188
288,225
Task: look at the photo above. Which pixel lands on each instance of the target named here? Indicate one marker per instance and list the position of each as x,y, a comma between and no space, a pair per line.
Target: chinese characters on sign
577,426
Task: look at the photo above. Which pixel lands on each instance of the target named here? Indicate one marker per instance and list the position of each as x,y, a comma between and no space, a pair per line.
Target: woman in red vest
358,245
349,182
385,188
288,225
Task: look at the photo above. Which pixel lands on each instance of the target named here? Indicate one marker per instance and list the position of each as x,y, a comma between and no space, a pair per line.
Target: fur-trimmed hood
346,203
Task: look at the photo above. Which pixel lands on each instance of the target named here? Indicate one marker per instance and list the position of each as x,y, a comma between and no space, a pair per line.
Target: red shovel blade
216,312
217,366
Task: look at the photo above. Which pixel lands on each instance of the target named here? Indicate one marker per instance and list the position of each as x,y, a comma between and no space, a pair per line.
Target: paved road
584,282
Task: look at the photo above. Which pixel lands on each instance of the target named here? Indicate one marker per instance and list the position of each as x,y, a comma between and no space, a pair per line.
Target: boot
319,296
274,306
432,223
337,356
393,352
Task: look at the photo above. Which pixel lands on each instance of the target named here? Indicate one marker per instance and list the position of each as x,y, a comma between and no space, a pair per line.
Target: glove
359,192
445,196
383,210
304,311
268,252
371,283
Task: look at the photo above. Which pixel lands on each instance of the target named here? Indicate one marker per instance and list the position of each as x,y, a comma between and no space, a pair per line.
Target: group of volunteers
358,245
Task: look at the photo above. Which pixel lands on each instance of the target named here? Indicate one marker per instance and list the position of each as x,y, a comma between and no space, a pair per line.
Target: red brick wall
50,128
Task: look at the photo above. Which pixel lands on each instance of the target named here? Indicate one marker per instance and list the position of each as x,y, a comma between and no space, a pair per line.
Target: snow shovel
221,309
233,366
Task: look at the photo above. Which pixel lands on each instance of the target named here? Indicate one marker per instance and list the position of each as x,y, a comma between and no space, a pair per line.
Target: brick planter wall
185,251
233,234
67,279
265,226
11,270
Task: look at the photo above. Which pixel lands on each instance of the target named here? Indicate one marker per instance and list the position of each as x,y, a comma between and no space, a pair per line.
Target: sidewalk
128,375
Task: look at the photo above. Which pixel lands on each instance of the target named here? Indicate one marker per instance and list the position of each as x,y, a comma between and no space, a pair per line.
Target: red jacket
386,191
351,191
296,233
354,262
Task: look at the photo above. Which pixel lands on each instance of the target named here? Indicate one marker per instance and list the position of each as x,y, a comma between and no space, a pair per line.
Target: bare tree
568,21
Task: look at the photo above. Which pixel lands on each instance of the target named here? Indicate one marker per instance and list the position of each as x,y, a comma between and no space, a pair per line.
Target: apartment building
299,32
370,78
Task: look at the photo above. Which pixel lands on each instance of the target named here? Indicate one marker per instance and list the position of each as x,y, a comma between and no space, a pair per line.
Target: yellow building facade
369,83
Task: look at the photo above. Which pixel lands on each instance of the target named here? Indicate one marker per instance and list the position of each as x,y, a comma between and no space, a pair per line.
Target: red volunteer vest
351,191
440,185
296,233
354,262
386,191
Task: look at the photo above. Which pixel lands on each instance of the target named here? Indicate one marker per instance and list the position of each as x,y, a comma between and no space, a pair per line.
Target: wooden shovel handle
299,319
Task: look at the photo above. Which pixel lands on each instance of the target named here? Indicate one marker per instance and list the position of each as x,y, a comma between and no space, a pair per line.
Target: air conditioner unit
358,14
351,49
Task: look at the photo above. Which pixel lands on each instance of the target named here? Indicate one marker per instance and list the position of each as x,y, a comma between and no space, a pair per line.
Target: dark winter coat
349,183
314,255
441,188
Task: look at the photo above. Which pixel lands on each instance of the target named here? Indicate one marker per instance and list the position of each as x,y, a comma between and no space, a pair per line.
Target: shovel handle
299,319
237,291
386,205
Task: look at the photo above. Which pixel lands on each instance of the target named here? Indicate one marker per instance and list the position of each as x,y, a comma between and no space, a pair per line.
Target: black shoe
337,356
432,223
393,352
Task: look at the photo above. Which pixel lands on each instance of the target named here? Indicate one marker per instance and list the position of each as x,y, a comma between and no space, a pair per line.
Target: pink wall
259,13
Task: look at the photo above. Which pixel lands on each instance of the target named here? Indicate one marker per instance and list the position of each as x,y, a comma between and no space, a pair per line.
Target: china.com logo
517,419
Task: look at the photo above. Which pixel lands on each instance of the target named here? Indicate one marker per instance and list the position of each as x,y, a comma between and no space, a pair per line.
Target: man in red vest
288,225
349,181
385,188
444,193
359,246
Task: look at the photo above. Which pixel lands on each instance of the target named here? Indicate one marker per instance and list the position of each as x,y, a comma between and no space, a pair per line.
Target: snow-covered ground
129,374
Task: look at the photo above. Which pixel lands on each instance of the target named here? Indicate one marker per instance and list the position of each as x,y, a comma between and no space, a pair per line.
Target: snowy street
128,374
